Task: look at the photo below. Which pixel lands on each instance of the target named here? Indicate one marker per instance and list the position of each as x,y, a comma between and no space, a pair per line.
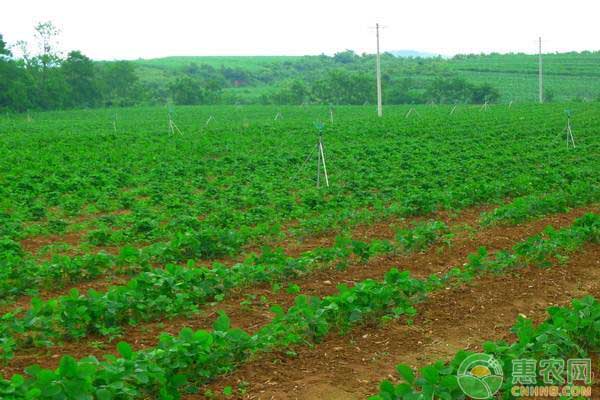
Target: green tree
46,35
484,93
120,84
80,75
15,85
342,87
345,57
449,90
404,91
4,51
292,92
50,87
188,91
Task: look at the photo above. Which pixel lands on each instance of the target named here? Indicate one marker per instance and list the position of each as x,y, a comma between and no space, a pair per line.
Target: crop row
176,290
181,363
534,206
23,275
569,332
237,185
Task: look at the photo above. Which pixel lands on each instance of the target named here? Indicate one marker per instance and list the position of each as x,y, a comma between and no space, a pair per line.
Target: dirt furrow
351,366
254,311
293,248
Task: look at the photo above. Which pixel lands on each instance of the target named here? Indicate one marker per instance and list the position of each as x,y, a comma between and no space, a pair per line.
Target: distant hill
247,62
412,53
567,76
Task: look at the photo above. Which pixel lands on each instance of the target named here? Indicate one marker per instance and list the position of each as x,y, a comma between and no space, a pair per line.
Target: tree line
48,80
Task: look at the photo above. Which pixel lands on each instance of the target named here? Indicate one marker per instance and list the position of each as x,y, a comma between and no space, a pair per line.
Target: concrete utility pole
379,107
541,79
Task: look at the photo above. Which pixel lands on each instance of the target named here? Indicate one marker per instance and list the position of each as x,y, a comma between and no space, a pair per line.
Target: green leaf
430,373
32,394
386,387
17,380
51,390
125,350
223,323
68,366
406,373
103,394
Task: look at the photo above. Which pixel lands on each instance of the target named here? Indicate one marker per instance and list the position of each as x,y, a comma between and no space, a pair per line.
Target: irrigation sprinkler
410,112
172,127
321,156
319,148
567,131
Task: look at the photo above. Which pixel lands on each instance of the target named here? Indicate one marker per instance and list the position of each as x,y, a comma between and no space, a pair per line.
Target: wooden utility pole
541,79
379,107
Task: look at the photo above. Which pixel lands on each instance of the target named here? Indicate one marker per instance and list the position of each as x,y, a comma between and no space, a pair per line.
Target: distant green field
246,62
162,71
567,76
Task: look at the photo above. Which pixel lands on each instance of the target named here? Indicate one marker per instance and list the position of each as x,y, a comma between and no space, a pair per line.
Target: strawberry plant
568,332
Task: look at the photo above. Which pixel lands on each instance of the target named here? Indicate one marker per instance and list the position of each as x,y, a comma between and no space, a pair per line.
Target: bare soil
255,314
351,366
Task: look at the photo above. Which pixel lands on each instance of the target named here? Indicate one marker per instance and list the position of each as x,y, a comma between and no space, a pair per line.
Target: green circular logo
480,376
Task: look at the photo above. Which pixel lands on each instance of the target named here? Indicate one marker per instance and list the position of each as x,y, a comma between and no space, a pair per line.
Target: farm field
567,76
204,262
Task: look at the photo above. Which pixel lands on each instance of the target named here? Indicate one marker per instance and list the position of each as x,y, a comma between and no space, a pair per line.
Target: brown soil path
351,367
293,248
320,283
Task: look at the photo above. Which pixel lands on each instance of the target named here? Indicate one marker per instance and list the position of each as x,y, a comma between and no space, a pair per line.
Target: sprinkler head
319,126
